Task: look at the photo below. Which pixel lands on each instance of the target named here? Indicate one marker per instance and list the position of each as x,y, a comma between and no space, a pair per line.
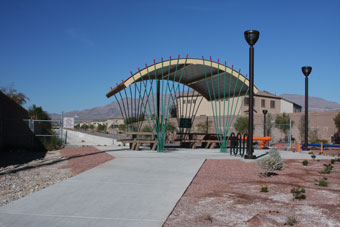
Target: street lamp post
251,37
264,122
306,70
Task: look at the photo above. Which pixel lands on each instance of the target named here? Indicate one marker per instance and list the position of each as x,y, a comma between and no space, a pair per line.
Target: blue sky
65,55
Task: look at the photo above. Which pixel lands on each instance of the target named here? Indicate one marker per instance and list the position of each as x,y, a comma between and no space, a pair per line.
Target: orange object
264,140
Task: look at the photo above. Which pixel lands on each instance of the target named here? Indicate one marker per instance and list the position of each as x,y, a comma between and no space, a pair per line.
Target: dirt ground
227,193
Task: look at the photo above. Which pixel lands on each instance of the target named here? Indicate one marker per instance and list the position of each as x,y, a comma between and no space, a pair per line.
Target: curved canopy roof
194,76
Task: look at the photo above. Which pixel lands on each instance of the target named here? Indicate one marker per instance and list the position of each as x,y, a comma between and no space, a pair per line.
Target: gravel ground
227,193
20,180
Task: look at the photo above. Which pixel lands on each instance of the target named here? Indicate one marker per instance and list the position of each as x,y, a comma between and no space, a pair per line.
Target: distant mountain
96,113
101,112
315,104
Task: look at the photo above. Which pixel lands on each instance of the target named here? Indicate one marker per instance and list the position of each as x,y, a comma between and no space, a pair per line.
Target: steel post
251,37
306,71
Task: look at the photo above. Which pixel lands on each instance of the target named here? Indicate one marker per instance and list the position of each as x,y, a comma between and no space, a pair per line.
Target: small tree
282,123
269,124
37,113
241,125
336,120
18,97
101,127
84,127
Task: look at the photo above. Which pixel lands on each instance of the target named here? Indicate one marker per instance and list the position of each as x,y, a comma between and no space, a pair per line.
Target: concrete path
138,188
135,189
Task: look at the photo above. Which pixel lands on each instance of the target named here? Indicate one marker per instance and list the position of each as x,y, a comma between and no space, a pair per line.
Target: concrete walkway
135,189
138,188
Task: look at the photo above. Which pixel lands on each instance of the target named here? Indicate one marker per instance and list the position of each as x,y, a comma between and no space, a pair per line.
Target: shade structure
194,75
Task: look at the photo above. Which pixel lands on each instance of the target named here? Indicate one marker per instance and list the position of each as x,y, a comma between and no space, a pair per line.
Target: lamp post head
306,70
251,36
264,112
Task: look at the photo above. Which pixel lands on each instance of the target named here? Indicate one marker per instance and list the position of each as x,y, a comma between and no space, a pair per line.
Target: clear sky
65,55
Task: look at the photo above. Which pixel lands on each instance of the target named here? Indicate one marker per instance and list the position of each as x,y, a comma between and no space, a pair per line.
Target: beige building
234,106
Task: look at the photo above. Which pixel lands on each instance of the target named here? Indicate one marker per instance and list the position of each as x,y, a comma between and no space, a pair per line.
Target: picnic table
207,140
139,138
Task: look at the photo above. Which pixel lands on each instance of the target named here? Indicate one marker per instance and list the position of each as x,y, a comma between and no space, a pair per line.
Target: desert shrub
264,188
208,217
327,170
52,143
305,163
322,182
272,162
291,220
298,192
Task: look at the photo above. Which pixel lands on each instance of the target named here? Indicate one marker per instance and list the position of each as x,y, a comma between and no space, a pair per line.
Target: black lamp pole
306,70
251,37
264,122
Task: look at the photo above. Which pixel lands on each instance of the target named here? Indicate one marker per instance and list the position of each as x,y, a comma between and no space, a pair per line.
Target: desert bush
298,192
291,220
52,143
327,170
272,162
264,188
322,182
305,163
208,217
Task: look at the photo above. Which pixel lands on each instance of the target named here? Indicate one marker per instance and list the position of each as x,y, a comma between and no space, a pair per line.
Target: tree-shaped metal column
224,95
164,84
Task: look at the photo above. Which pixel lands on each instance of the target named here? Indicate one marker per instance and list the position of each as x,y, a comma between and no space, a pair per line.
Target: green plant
291,220
241,125
52,143
333,161
282,123
305,163
101,127
322,182
313,156
336,120
327,170
272,162
264,188
298,192
16,96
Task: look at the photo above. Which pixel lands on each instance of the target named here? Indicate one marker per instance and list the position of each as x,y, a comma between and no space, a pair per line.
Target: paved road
138,188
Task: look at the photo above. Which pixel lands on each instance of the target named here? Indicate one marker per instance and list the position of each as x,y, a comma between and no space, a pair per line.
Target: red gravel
80,159
227,193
